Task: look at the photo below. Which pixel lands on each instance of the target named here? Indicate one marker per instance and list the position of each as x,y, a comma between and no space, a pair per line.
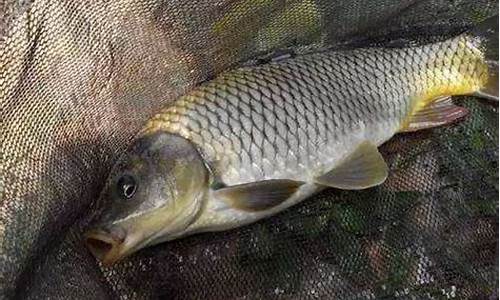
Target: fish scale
282,119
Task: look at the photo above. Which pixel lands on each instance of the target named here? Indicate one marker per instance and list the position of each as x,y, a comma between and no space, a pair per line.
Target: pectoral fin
440,112
259,195
364,168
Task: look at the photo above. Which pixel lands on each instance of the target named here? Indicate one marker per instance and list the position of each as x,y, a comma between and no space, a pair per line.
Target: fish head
154,192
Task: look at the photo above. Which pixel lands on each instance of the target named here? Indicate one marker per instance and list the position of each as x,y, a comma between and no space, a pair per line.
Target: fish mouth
107,245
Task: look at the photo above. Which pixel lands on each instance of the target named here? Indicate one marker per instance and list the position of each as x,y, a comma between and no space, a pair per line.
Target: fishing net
79,78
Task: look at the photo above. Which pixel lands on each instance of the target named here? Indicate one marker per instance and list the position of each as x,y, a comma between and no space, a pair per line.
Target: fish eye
126,186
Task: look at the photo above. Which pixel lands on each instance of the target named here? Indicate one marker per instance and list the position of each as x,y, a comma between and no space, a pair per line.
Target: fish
257,140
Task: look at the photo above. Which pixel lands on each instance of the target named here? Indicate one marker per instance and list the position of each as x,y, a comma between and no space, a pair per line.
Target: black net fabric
79,78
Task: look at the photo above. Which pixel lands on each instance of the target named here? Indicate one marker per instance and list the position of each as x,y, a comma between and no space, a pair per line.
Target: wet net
79,78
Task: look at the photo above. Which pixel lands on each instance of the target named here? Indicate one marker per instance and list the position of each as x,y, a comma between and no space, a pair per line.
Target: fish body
299,118
256,140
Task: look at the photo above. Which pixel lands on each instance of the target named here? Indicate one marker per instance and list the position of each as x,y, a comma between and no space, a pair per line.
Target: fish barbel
257,140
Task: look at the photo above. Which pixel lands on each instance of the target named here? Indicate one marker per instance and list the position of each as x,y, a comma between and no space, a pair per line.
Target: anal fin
440,112
257,196
364,168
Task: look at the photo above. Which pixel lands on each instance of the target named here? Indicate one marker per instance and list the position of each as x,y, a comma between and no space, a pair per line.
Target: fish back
298,117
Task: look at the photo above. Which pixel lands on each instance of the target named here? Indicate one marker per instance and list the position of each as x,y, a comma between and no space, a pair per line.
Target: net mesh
78,79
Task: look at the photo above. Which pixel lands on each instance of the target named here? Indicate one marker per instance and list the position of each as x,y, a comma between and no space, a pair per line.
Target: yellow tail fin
487,31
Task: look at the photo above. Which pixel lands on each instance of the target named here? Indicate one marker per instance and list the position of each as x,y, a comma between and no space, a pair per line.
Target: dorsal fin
363,168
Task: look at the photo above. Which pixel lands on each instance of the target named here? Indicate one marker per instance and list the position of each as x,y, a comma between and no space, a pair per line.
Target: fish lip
107,245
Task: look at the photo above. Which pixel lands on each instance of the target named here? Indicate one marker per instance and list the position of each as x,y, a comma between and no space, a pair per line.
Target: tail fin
487,31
